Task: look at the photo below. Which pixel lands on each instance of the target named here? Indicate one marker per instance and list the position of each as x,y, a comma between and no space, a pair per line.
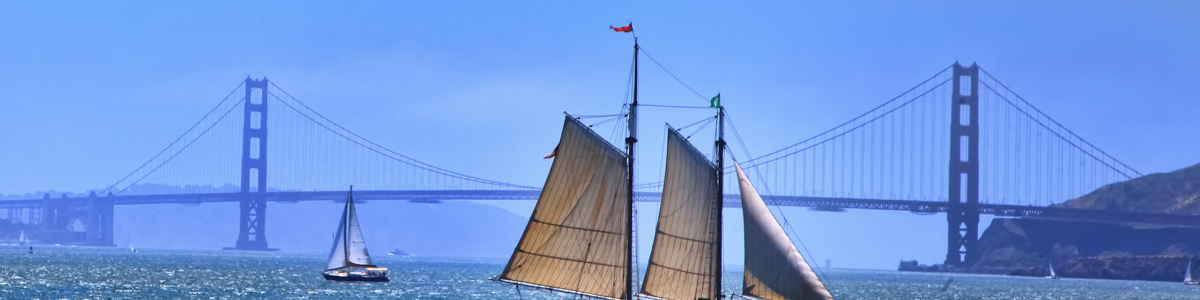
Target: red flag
552,153
623,29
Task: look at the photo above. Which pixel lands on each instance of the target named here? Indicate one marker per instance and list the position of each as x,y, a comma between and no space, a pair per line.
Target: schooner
579,236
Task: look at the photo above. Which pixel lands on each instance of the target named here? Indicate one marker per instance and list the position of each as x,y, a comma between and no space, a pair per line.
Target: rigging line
623,116
694,124
606,121
660,183
866,113
439,172
1043,125
431,167
674,106
989,75
710,121
777,207
643,49
822,142
214,124
578,117
180,136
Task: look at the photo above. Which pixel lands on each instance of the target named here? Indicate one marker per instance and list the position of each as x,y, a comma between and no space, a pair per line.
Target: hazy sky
90,90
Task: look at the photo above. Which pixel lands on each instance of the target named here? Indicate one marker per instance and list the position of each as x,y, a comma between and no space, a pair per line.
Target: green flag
715,102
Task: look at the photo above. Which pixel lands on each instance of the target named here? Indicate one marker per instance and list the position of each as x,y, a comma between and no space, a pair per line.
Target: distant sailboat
131,248
23,240
1053,275
348,260
1187,278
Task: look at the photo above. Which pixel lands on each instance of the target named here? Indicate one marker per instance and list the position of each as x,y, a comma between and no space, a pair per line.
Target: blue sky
89,91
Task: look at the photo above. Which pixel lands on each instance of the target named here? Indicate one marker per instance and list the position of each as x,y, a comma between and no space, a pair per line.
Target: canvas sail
576,238
774,268
349,247
684,262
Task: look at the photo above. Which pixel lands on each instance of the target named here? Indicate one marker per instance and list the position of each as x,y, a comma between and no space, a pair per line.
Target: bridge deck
731,200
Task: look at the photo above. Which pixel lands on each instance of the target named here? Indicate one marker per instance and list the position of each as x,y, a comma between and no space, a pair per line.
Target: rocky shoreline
1025,246
1169,268
1078,249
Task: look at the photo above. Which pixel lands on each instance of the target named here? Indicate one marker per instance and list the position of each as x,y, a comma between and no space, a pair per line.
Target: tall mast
720,144
346,229
629,142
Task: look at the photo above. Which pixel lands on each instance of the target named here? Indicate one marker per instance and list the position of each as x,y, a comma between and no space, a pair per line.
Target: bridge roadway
731,200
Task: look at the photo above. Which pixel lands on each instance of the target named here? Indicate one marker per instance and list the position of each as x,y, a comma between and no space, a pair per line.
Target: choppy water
115,273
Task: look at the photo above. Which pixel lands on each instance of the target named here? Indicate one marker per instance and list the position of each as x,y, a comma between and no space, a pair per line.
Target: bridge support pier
252,223
963,213
99,223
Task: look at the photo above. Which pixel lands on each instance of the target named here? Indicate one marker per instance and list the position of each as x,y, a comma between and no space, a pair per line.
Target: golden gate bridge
958,143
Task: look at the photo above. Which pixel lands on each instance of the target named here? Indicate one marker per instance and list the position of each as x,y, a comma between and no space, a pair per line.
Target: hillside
1102,250
1023,246
1173,192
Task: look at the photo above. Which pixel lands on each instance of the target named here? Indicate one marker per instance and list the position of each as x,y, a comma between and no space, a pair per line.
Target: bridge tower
252,234
99,222
963,212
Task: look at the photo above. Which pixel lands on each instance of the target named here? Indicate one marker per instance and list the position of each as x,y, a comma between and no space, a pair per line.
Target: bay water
63,272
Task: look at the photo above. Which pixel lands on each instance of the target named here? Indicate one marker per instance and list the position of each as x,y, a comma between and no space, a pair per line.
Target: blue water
114,273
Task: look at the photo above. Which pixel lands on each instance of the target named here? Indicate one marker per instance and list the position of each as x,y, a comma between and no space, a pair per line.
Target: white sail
349,247
23,240
684,262
1188,276
774,268
576,238
1051,266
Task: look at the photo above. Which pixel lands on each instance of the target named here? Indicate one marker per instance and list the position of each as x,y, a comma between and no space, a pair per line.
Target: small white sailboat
348,260
1053,275
131,248
23,240
1187,278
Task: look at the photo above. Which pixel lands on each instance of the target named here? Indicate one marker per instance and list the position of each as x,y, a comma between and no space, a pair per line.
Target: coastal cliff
1078,249
1086,249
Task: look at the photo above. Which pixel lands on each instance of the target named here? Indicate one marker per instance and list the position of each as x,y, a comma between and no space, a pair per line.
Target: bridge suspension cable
206,116
899,150
379,149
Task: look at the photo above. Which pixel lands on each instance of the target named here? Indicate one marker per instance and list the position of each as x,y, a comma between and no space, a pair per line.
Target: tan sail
576,239
684,262
774,268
